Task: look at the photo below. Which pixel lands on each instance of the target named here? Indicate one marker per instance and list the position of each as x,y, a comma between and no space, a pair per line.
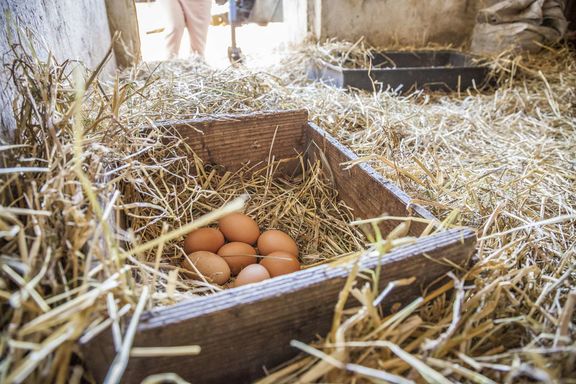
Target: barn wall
71,29
123,19
295,15
383,22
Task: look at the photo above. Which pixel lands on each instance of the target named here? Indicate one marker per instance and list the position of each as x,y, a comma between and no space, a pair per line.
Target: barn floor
501,161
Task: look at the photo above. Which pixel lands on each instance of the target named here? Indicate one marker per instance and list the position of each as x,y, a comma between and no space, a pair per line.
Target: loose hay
503,159
165,194
113,200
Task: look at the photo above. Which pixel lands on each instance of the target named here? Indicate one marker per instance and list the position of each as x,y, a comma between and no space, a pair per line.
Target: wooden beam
122,19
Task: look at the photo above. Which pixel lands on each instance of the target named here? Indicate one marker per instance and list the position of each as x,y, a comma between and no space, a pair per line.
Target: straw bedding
501,161
303,204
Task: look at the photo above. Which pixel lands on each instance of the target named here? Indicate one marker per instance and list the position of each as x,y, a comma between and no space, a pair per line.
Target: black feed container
407,71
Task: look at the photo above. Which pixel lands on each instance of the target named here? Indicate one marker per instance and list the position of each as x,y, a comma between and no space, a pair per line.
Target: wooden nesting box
245,330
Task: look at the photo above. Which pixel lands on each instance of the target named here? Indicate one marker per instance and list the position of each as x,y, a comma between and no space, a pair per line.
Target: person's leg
174,26
197,17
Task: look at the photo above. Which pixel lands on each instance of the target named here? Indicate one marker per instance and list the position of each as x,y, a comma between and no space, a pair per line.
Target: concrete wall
385,22
71,29
296,18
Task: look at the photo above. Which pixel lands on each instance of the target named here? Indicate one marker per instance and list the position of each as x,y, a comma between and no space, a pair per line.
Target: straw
90,219
499,160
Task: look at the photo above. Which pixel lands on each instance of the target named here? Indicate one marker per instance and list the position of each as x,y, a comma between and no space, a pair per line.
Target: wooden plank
243,330
231,141
361,187
122,18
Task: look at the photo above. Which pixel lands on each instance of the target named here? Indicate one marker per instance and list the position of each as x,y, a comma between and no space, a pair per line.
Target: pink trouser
193,15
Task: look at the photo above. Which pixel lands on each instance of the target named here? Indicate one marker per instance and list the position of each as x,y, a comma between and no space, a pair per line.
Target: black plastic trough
407,71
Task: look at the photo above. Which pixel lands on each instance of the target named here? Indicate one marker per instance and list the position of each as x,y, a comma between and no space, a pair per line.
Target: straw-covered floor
501,161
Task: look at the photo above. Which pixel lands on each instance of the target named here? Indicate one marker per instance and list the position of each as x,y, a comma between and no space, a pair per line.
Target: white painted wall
385,22
71,29
296,20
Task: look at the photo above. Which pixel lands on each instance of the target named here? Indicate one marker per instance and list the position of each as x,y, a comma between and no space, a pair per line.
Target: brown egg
280,263
239,227
209,264
275,240
251,274
237,255
203,239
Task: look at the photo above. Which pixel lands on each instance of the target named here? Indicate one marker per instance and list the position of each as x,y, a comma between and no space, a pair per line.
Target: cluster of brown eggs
219,253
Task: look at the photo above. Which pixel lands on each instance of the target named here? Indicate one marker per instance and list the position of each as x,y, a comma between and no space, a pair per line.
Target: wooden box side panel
243,330
361,187
232,141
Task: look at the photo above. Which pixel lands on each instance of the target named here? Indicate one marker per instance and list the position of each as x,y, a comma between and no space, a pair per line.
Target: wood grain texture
243,330
361,187
231,141
122,18
234,140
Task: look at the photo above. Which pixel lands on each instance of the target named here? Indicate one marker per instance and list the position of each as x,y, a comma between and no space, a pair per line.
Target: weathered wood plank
122,18
231,141
243,330
361,187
